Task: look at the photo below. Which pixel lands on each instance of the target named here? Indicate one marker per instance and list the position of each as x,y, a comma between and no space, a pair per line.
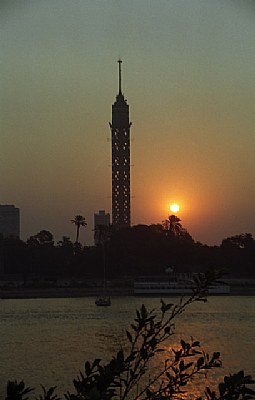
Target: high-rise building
120,128
100,219
9,221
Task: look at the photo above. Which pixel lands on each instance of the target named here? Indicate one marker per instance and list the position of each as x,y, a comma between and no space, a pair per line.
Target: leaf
200,362
87,368
96,362
189,365
160,350
167,330
144,313
216,355
144,354
209,393
163,304
153,343
120,356
181,365
165,307
15,389
222,388
129,336
49,394
131,357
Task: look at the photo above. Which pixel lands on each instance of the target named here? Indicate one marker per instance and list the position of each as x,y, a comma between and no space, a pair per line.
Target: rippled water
47,340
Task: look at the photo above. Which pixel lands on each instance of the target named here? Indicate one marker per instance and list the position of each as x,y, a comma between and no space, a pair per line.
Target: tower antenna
119,61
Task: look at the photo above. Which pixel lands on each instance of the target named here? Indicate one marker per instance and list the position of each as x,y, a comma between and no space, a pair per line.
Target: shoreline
32,293
27,293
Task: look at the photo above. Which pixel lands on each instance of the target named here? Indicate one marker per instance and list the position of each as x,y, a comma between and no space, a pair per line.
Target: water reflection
47,340
198,382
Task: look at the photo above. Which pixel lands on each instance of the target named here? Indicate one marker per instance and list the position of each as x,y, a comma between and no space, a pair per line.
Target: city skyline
190,83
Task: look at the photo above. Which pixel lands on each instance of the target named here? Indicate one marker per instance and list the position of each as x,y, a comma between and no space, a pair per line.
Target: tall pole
119,61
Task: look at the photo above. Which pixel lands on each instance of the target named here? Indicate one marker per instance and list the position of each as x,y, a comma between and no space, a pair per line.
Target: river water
47,340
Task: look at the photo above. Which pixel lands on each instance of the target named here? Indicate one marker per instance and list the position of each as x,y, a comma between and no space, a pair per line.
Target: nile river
47,340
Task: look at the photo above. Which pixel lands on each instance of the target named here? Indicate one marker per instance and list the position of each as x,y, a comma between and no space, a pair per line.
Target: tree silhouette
41,238
78,221
242,241
173,226
128,374
102,233
41,252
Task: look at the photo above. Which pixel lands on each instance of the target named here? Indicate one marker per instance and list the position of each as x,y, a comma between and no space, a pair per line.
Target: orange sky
189,78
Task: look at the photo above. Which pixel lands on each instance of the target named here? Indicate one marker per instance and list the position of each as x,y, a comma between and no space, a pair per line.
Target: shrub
126,375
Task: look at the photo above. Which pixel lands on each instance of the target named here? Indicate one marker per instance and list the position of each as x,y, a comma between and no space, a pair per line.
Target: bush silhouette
126,375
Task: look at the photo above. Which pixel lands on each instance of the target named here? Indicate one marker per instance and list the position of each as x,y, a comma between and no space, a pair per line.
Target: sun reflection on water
195,388
47,340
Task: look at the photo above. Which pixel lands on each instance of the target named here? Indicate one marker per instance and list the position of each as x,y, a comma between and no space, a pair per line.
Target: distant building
120,128
9,221
100,219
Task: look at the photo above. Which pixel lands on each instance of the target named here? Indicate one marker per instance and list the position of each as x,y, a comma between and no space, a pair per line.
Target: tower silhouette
120,128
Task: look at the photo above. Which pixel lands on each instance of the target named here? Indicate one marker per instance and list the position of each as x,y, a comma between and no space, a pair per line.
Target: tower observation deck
120,129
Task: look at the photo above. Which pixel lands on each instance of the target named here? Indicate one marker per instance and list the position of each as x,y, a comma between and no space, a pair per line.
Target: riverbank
33,293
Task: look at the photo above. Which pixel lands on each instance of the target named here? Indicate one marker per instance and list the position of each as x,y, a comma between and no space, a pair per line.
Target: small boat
103,301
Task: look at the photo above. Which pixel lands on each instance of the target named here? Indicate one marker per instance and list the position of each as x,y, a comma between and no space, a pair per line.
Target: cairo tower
120,138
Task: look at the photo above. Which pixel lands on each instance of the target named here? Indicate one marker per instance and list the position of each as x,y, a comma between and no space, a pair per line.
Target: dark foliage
135,251
126,375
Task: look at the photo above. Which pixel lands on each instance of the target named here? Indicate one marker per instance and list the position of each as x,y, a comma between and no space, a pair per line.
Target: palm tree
78,221
173,226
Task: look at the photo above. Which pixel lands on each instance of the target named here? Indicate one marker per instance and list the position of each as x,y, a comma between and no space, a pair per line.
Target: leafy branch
126,376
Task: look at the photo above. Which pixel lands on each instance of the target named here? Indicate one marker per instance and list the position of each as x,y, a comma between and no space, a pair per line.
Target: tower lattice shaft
120,128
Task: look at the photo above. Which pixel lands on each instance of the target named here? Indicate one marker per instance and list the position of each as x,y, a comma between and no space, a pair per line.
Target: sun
174,207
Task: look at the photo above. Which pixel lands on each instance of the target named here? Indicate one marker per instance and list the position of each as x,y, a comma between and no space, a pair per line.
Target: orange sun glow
174,208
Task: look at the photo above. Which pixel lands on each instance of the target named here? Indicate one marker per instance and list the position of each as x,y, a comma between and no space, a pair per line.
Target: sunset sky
189,78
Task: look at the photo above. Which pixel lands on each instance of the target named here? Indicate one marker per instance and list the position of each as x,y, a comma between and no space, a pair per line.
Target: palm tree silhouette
172,225
78,221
